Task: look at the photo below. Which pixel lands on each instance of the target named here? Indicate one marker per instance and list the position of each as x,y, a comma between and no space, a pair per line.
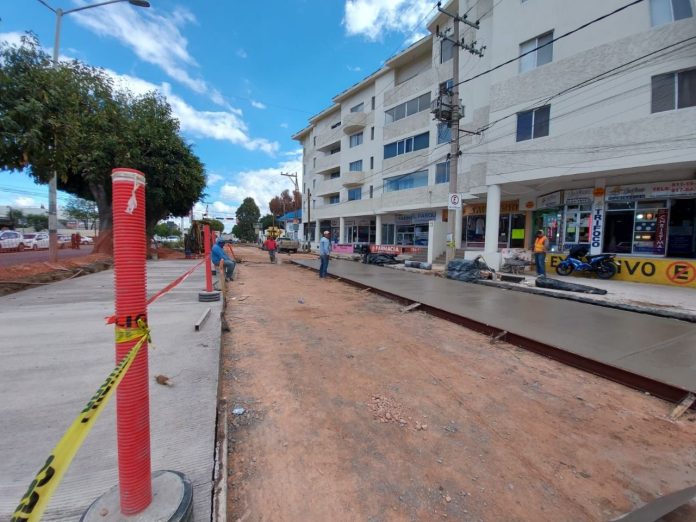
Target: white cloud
242,53
214,178
353,69
219,206
23,201
217,125
12,38
261,184
155,38
257,104
371,18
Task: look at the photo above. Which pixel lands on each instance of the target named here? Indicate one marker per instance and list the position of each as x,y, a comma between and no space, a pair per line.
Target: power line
551,41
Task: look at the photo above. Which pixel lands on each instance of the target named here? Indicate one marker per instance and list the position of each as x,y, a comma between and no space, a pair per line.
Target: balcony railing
353,178
356,121
328,162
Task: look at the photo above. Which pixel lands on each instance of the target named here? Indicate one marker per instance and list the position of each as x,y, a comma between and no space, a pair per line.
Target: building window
422,141
666,11
314,184
442,172
446,50
444,133
358,108
315,141
314,163
355,166
334,199
372,133
356,139
446,87
337,124
314,203
372,162
533,124
421,103
355,194
674,90
335,150
407,181
371,191
335,174
373,103
537,57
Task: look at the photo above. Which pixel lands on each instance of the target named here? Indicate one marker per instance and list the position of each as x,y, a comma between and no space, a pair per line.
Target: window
314,183
334,198
674,91
314,163
337,124
356,139
442,171
372,162
372,133
371,191
355,194
444,133
421,103
446,50
533,124
446,87
315,141
537,57
335,150
334,175
407,181
355,166
358,108
373,103
422,141
666,11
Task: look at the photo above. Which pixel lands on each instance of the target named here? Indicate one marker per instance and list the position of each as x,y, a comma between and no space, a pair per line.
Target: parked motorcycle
602,264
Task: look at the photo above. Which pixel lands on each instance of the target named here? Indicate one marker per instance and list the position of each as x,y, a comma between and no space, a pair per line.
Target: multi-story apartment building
588,134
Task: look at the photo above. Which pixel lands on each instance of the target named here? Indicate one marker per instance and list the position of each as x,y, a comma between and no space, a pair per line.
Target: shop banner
342,249
661,232
651,190
413,219
396,249
596,231
549,200
479,209
578,196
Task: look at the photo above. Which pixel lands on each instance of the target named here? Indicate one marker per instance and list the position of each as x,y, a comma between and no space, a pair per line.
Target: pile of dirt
169,253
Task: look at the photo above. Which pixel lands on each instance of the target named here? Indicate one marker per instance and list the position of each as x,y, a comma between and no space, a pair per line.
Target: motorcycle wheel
607,270
564,269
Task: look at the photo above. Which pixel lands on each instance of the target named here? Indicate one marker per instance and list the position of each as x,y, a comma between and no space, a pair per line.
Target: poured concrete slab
56,350
658,348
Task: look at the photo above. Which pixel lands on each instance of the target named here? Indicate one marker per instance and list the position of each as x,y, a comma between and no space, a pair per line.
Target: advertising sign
578,196
651,190
413,219
596,231
549,200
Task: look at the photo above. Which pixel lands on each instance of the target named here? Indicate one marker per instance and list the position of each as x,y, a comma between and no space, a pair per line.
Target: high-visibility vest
539,244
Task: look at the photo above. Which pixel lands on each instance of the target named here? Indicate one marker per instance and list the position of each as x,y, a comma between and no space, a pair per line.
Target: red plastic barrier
208,268
132,396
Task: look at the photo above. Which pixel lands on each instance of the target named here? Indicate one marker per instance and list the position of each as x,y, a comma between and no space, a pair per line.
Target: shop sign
596,233
578,196
385,249
506,207
661,231
651,190
349,222
342,249
549,200
364,222
413,219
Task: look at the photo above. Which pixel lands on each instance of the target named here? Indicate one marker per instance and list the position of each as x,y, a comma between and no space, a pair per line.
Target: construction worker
541,246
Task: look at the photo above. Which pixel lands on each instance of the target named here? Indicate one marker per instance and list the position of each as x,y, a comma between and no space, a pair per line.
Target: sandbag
418,264
555,284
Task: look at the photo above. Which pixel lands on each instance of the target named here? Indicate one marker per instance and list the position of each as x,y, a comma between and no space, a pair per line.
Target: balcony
356,121
353,178
327,162
329,137
328,186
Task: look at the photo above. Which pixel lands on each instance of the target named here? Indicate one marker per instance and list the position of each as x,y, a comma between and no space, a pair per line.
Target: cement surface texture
56,351
658,348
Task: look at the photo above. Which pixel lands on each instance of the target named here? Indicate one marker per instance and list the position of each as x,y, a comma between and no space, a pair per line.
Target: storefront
510,226
360,231
565,217
411,229
651,219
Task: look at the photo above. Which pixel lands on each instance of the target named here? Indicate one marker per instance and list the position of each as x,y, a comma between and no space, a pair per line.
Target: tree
266,221
247,216
16,216
38,222
161,230
69,119
82,210
215,224
281,204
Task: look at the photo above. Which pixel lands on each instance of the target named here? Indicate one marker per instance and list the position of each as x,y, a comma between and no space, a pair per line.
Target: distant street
37,256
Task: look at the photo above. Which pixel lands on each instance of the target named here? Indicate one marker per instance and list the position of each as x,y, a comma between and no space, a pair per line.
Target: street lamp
53,184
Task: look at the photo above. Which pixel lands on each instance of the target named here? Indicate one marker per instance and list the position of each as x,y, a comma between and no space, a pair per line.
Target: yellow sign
653,270
506,207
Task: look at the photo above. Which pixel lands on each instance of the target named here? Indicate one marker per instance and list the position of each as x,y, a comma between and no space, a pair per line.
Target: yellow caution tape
35,500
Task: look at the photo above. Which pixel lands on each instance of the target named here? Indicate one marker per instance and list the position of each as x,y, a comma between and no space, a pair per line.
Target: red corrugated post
132,396
208,268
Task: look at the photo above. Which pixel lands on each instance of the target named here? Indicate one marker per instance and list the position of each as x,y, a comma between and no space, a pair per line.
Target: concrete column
317,232
458,228
378,229
342,230
492,219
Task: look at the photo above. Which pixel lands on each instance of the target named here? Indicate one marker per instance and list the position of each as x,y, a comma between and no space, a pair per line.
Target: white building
591,137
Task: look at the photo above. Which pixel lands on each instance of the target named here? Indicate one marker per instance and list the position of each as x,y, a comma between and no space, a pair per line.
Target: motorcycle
602,264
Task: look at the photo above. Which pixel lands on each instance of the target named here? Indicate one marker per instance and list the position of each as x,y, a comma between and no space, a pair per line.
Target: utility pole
309,215
448,109
293,177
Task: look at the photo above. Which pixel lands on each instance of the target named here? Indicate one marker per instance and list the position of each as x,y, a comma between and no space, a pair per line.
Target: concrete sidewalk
56,351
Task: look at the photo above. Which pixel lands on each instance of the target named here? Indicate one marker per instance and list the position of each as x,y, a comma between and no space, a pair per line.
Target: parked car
63,240
11,240
36,240
86,240
173,239
285,244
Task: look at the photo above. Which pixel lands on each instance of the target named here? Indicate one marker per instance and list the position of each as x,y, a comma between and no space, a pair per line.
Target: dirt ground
356,411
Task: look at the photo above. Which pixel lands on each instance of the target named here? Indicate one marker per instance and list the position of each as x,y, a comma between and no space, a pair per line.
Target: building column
341,230
492,219
317,232
458,227
378,229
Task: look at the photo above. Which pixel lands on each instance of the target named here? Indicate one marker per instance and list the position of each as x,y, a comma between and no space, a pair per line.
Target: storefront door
682,234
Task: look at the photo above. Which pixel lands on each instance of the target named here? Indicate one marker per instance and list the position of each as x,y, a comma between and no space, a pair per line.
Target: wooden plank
684,405
498,337
202,319
410,307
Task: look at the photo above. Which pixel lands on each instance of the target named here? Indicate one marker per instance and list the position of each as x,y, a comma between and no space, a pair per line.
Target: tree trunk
105,242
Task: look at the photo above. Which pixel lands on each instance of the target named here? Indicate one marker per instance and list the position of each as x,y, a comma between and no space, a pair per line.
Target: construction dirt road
355,410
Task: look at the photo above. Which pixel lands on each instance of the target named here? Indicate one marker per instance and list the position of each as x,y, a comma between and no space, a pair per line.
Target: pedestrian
271,246
218,254
324,251
78,240
541,246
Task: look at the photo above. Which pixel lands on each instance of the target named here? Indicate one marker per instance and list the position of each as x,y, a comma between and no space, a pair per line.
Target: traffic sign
454,201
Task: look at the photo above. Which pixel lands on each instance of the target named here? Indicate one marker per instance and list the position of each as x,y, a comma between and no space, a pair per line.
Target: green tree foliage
267,221
38,222
16,216
82,210
215,224
247,216
161,230
70,119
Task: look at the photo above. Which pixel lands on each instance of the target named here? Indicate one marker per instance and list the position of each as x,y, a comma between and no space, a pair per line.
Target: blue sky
241,77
